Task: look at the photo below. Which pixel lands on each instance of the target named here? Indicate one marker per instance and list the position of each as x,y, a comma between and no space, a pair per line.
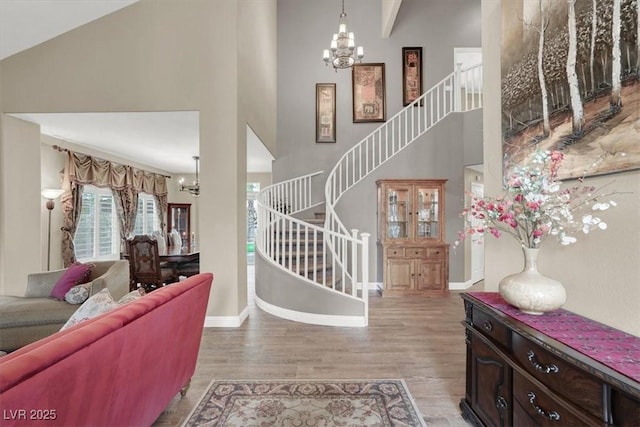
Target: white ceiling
162,140
26,23
166,140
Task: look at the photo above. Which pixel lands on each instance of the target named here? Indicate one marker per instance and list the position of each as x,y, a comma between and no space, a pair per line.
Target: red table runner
616,349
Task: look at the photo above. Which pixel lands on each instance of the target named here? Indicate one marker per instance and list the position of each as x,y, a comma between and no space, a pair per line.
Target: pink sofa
119,369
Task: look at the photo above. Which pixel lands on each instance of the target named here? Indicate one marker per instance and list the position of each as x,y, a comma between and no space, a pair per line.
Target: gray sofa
26,319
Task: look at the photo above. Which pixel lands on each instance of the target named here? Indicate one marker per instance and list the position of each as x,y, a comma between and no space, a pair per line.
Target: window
147,217
253,188
97,235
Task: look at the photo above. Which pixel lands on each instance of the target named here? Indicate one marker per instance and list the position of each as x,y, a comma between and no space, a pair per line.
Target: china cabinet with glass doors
179,219
415,257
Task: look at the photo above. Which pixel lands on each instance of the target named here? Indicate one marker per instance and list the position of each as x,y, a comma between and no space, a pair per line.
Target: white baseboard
373,286
460,286
453,286
311,318
226,321
314,319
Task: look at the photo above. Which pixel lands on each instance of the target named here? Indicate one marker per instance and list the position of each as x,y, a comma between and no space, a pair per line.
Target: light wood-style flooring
420,340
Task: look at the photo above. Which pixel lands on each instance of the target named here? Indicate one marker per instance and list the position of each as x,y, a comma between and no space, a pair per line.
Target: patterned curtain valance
85,170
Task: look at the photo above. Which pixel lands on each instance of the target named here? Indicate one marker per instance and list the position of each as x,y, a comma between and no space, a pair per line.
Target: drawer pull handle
488,325
551,369
553,415
501,403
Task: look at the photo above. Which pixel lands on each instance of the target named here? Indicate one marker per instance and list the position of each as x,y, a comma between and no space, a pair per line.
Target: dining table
183,260
179,255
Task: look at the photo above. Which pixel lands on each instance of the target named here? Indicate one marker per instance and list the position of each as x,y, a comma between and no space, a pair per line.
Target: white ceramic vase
529,290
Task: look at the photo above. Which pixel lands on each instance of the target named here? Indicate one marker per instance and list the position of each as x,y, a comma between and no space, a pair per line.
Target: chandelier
343,45
194,188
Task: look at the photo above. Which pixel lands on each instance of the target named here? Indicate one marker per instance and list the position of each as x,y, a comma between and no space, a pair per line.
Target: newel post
365,275
457,92
354,262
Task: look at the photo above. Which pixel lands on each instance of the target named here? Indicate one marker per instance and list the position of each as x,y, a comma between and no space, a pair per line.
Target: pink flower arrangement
534,206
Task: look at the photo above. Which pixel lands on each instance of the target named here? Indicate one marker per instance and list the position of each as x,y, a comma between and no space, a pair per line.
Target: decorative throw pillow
78,294
76,274
131,296
97,304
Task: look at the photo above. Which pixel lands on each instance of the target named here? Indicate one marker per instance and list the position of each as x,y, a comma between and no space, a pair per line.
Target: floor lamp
50,194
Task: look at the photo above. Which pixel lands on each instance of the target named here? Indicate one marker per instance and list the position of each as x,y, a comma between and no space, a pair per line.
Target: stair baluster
344,255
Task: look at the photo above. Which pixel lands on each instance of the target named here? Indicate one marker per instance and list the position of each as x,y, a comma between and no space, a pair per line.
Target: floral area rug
306,403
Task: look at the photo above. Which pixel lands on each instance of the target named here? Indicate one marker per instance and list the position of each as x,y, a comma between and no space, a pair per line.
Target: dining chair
144,264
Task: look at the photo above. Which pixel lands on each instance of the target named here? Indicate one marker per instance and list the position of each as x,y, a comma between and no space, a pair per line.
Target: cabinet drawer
395,253
436,252
416,252
533,407
570,382
490,327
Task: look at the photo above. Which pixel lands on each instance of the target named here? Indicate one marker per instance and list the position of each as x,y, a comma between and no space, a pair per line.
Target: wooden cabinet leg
183,390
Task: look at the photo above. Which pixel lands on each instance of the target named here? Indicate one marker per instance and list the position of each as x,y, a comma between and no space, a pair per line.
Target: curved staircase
309,267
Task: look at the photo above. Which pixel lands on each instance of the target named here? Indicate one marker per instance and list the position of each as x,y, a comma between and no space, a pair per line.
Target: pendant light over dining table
194,188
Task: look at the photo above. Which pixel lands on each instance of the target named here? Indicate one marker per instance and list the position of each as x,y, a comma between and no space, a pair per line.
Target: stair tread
302,232
308,266
292,245
302,255
319,221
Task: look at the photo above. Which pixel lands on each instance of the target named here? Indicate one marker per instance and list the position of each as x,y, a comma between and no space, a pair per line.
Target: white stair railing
460,91
331,256
296,246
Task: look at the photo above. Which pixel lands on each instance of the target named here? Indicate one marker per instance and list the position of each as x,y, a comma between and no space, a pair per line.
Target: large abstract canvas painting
570,82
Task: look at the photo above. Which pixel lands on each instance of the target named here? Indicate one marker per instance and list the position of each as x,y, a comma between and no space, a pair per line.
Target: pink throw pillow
76,274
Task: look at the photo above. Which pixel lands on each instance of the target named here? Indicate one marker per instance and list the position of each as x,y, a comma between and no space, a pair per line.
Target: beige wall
156,55
257,105
22,205
601,272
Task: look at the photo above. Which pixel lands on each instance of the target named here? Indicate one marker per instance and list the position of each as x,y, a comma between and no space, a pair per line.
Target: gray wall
282,290
305,29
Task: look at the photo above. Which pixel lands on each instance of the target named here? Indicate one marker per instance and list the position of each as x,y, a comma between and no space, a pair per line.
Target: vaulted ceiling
27,23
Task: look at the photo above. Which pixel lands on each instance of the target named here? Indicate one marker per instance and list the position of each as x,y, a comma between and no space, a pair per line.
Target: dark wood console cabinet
517,375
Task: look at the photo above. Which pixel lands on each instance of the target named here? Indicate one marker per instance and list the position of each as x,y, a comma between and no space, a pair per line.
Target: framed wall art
585,110
411,74
368,93
325,112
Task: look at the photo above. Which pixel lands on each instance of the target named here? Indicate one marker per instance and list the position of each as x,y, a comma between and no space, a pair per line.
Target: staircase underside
292,299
